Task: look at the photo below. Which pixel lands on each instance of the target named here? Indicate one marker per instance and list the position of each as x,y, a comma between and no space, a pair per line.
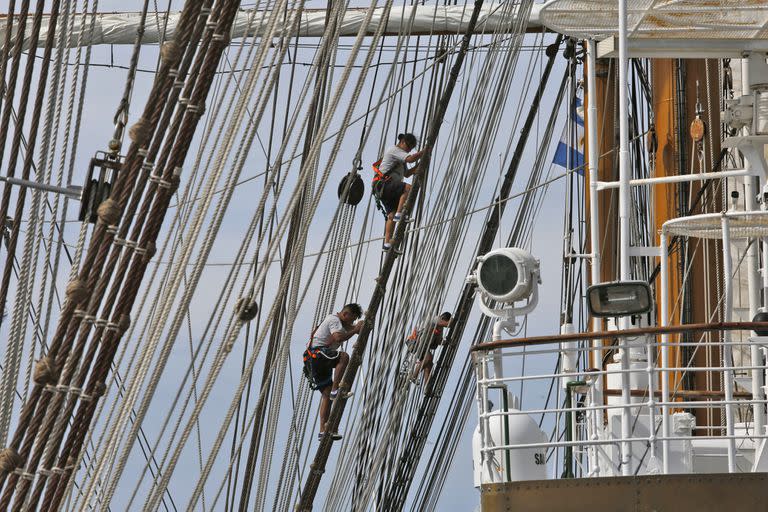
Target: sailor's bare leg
403,198
325,407
427,365
389,227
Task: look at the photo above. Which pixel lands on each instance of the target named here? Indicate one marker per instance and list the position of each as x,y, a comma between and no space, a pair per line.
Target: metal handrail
626,333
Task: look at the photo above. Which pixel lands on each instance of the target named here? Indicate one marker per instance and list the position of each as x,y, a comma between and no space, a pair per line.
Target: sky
106,78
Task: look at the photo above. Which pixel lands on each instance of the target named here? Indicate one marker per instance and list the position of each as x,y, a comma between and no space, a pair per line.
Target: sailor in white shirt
325,363
389,187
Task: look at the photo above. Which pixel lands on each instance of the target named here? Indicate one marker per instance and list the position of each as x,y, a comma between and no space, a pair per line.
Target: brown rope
34,411
130,287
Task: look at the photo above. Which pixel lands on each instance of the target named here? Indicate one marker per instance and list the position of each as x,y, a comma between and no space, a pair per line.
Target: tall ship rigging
192,213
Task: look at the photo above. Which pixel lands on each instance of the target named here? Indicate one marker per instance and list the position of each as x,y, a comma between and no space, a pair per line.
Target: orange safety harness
376,185
378,175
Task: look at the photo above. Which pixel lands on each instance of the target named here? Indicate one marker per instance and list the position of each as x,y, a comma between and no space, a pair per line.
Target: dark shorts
322,361
389,194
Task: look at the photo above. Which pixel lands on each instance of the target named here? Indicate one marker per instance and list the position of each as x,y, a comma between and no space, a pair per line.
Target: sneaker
398,217
335,394
335,436
386,247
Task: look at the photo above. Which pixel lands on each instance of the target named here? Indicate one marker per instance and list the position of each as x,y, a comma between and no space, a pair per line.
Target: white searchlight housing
506,276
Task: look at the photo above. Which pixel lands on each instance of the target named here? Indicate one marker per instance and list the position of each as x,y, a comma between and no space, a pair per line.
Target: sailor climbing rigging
424,342
324,362
389,188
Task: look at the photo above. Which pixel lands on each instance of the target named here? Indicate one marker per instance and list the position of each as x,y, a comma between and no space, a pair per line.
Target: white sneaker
335,436
335,394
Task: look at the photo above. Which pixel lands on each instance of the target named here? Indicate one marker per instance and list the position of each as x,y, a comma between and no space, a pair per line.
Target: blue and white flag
567,154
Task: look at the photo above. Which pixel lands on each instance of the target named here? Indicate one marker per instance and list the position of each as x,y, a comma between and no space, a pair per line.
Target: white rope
233,332
188,246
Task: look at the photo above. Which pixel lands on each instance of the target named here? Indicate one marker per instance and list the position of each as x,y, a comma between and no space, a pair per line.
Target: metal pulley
102,172
356,189
698,129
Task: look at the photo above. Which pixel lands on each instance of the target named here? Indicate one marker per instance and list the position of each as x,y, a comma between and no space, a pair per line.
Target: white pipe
595,419
727,349
664,320
72,191
674,369
486,461
503,324
681,178
643,440
752,264
594,206
637,406
651,398
624,197
624,242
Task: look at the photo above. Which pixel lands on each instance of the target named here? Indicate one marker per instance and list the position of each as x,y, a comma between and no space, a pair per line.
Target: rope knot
175,182
10,460
247,309
77,291
170,52
99,389
109,212
46,372
139,132
124,323
149,251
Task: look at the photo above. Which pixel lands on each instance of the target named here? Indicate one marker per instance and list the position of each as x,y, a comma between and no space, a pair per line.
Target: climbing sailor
425,349
324,362
388,185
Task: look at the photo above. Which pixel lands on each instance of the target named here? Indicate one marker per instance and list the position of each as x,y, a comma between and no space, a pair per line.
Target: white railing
585,412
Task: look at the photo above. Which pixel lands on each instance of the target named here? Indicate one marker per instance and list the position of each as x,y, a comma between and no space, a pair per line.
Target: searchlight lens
498,275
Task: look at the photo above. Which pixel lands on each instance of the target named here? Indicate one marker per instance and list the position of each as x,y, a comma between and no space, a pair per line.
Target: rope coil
170,52
109,212
46,371
139,132
10,460
77,291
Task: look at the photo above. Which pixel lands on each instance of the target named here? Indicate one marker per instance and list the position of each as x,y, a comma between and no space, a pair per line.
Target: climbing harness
377,184
314,357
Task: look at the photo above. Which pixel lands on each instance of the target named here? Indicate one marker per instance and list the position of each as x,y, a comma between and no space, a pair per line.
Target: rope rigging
110,300
313,479
109,213
417,437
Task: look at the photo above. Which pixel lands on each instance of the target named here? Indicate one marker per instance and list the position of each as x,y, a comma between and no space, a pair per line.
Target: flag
567,155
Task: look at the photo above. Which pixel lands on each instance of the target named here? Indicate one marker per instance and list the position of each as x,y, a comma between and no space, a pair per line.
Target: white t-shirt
328,326
393,163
